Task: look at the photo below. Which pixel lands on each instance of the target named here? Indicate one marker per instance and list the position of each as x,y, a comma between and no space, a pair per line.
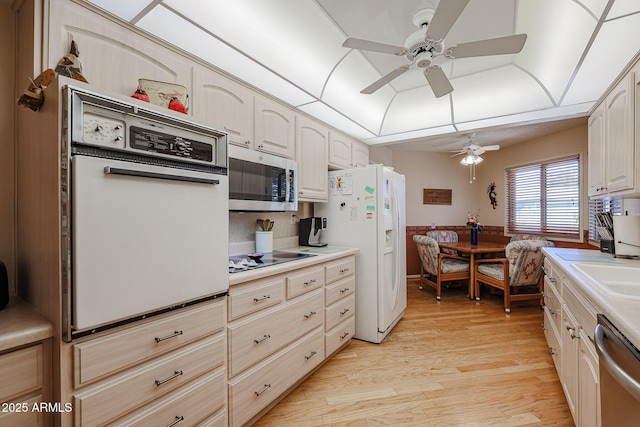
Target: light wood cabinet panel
304,281
341,268
26,418
359,154
131,389
312,153
223,104
553,305
261,335
186,407
97,358
339,311
340,289
570,343
257,296
553,340
340,151
216,420
596,127
251,392
619,137
340,336
21,372
274,128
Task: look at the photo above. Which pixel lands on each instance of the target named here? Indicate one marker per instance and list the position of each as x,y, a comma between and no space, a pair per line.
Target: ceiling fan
423,45
472,154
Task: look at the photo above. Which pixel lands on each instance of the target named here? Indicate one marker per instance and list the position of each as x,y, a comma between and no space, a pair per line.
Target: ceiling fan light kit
425,44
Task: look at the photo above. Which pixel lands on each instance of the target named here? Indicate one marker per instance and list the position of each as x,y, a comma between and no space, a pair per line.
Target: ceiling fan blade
384,80
491,147
445,16
440,84
374,46
479,151
497,46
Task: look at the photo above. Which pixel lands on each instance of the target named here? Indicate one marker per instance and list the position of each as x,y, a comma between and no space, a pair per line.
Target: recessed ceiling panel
343,92
623,8
191,39
416,109
494,93
554,43
609,55
335,119
295,39
126,10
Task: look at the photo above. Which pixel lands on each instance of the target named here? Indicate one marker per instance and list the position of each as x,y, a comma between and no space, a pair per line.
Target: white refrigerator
366,209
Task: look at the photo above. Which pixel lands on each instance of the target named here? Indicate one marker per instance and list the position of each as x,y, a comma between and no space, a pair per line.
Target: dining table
474,251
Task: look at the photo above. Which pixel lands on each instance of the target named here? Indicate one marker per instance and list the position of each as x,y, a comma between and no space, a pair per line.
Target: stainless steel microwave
261,182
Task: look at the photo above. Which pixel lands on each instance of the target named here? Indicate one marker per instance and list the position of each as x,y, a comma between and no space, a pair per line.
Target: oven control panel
103,131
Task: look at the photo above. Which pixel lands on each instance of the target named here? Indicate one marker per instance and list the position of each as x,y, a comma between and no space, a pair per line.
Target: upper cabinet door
619,136
596,152
340,151
223,104
312,154
274,128
359,154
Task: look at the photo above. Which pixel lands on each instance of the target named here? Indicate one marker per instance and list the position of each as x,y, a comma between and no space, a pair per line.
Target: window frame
511,227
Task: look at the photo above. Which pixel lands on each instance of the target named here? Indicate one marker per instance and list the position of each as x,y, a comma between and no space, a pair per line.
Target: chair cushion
493,270
444,236
525,261
450,265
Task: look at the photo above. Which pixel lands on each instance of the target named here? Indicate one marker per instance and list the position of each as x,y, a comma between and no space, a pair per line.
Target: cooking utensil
270,226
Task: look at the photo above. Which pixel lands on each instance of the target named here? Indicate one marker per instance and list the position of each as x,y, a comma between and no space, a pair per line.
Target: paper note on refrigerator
341,184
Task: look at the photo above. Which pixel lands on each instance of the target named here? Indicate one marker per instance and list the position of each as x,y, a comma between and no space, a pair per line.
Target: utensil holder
264,241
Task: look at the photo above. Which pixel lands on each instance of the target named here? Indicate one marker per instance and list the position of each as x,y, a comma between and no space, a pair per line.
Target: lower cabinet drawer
339,311
255,389
261,335
186,406
20,372
340,268
138,386
99,357
25,416
340,335
553,305
581,309
217,420
553,340
339,290
304,281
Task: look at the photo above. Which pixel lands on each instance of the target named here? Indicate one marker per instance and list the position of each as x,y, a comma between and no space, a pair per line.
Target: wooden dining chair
438,267
444,236
519,275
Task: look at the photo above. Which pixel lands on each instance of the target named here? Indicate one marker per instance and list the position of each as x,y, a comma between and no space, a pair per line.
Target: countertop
322,254
622,312
21,324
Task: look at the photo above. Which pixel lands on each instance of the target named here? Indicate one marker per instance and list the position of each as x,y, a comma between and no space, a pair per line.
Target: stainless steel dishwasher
619,376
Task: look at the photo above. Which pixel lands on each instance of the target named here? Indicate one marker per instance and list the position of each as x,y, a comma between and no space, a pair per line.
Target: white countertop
624,313
322,254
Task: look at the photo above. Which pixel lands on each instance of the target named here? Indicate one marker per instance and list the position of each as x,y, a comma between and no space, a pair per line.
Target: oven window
256,181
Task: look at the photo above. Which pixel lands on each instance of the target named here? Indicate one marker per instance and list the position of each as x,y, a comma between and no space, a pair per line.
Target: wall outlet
293,218
433,225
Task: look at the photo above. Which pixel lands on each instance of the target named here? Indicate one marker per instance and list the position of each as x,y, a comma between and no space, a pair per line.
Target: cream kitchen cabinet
612,141
169,369
312,154
223,104
340,303
346,153
274,127
572,344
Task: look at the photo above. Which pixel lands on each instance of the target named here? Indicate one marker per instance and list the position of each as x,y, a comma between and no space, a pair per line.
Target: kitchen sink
614,280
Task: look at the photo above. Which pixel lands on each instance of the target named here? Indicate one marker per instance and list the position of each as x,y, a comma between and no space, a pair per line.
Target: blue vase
474,236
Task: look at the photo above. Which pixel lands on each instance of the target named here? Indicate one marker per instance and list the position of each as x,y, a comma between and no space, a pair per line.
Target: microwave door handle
623,378
287,187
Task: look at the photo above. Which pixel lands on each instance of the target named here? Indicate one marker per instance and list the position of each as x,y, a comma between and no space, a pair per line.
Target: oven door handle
623,378
108,170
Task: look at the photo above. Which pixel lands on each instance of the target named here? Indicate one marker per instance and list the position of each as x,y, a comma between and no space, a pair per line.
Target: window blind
544,198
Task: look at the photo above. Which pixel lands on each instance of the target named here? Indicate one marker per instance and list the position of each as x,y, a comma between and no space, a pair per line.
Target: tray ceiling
292,49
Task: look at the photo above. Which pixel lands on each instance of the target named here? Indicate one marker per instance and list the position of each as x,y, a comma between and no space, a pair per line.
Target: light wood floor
453,363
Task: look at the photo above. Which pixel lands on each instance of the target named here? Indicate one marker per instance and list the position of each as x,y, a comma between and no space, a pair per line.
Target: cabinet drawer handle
175,334
343,336
310,282
176,374
342,291
264,297
552,351
552,279
544,328
572,331
553,311
263,389
311,313
176,421
344,270
343,312
313,353
264,337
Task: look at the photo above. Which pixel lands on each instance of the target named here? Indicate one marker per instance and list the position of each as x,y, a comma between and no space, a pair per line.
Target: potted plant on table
473,222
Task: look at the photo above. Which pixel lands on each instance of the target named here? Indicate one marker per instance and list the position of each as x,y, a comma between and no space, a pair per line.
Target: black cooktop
240,263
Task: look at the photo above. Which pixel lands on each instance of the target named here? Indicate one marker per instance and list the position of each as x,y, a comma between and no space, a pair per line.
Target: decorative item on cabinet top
167,95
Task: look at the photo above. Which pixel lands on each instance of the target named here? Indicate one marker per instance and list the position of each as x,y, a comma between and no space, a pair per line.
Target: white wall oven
145,211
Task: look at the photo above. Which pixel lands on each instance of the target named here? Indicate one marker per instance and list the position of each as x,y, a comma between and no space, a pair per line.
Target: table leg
472,276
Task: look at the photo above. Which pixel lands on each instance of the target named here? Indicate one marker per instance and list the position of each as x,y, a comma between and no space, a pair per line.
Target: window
597,206
544,198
